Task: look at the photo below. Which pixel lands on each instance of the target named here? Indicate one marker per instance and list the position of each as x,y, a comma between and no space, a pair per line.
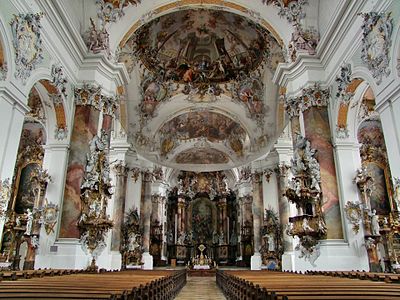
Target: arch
395,53
6,49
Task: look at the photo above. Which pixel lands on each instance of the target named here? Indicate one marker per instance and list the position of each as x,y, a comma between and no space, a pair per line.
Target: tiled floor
200,288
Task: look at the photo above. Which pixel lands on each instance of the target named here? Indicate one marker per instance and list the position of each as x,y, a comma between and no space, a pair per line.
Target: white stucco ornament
27,44
377,31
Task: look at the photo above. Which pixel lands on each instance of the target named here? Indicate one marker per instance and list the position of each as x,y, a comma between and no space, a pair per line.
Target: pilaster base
255,263
147,261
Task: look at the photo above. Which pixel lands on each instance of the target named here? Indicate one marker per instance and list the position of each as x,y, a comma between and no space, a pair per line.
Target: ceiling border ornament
27,43
292,10
377,30
303,40
313,96
110,11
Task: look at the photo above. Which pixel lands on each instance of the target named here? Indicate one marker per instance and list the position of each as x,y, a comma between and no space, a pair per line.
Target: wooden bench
105,285
283,285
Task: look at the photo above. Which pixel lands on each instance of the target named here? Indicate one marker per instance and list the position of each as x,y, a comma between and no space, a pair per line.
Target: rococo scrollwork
132,241
305,192
354,215
96,190
5,194
377,31
27,43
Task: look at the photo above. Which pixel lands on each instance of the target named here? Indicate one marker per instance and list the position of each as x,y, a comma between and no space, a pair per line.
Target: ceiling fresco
207,125
200,45
202,156
202,76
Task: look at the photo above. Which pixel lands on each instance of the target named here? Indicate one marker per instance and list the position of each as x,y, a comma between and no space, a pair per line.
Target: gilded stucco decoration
310,97
344,97
354,214
27,43
96,190
5,194
132,240
377,31
272,246
305,192
90,94
59,79
49,217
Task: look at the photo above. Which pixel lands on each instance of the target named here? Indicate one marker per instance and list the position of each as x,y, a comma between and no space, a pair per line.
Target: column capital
121,169
312,96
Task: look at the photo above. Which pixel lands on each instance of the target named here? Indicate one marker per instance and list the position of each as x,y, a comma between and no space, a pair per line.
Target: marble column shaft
147,209
119,205
257,209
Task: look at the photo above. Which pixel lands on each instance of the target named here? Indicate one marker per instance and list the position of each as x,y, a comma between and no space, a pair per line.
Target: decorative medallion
49,216
27,44
354,214
377,31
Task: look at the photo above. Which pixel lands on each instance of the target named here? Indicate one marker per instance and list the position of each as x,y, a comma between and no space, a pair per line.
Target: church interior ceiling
202,85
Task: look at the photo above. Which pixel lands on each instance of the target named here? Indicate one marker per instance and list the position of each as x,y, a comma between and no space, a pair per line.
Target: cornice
13,96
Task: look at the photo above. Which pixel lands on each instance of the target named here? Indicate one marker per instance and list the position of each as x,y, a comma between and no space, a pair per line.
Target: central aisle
200,288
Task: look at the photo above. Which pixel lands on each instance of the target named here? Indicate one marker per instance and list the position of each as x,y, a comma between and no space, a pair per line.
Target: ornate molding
303,40
27,43
96,190
343,80
292,10
112,10
5,194
59,80
90,94
342,132
49,217
60,133
377,31
121,169
313,96
354,214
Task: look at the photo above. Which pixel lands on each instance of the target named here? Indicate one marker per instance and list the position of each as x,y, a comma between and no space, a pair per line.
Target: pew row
135,285
281,285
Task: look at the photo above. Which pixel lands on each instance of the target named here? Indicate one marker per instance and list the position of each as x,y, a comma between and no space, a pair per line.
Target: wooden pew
138,285
283,285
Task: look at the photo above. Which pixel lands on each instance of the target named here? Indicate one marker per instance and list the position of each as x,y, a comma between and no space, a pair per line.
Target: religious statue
270,240
306,226
29,221
375,223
